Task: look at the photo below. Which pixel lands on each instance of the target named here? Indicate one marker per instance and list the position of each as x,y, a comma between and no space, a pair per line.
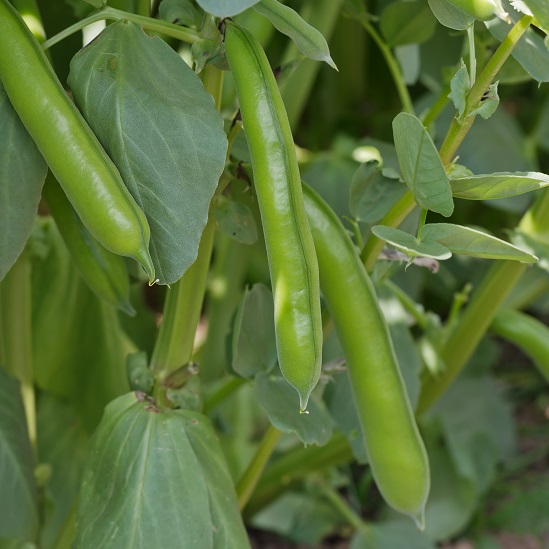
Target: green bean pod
87,175
396,452
527,333
104,272
290,248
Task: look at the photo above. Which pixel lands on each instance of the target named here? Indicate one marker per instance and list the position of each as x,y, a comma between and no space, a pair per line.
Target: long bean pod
290,249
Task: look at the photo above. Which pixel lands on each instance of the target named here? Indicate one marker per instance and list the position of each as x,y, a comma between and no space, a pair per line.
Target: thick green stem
470,329
323,15
294,466
460,126
246,485
394,67
17,335
111,14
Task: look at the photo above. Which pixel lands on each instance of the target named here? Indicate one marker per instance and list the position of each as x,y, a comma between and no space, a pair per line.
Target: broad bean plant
262,268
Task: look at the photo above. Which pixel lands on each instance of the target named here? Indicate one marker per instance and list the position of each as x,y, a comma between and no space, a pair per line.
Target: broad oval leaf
450,16
530,51
497,185
467,241
421,166
169,465
277,398
253,336
160,126
410,245
407,22
308,40
372,194
19,503
22,174
225,8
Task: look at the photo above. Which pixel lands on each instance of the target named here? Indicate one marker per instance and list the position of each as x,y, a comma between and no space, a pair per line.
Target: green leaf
535,247
16,544
63,445
524,513
19,503
206,52
372,194
407,22
450,16
78,349
421,166
460,86
169,147
179,12
225,8
540,10
235,220
169,465
408,57
409,244
140,376
488,104
253,339
308,40
278,399
389,535
497,185
22,174
530,51
467,241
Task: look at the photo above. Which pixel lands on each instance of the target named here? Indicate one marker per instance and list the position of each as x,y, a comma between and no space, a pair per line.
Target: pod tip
419,519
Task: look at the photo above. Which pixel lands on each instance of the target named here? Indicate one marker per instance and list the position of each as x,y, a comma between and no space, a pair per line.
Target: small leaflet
460,86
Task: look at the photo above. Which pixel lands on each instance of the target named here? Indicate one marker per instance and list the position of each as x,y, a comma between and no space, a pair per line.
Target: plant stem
323,15
295,465
154,25
17,335
393,218
460,126
411,307
246,485
471,327
342,507
392,63
472,54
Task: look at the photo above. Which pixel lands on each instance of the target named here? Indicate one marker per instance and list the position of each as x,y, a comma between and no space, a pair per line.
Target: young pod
396,452
87,175
290,249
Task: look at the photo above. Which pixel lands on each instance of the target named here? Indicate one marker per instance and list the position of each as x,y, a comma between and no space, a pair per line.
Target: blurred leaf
63,445
450,16
452,499
497,185
407,22
19,503
22,174
169,147
278,399
179,12
339,399
529,243
408,57
409,244
169,464
540,9
140,376
206,52
530,51
460,86
235,220
524,513
308,40
302,517
372,194
390,535
421,166
253,339
467,241
225,8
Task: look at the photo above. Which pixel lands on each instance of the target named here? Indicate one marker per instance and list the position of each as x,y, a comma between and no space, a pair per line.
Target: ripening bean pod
396,452
87,175
290,249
